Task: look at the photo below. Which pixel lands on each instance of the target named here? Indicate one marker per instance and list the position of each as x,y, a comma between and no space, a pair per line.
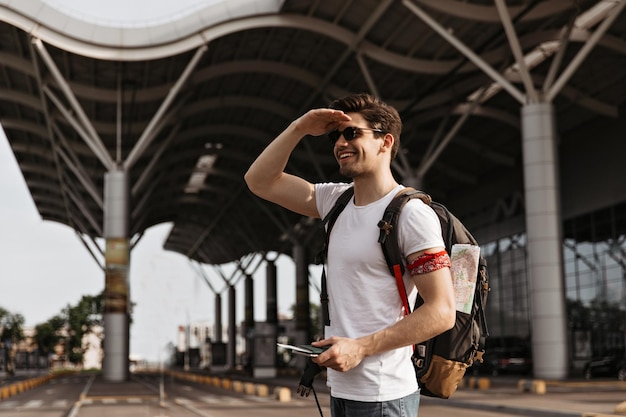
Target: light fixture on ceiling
201,170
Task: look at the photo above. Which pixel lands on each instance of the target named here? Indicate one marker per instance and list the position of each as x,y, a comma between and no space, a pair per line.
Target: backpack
440,363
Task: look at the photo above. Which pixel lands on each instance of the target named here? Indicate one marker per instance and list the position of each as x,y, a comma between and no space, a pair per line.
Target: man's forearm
270,164
425,323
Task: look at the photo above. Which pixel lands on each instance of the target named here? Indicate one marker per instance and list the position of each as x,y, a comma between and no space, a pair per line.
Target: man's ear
388,141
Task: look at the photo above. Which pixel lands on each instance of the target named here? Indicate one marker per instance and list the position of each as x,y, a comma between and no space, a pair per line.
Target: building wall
594,252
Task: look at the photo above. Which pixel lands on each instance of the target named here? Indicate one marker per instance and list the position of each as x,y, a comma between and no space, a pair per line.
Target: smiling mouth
344,155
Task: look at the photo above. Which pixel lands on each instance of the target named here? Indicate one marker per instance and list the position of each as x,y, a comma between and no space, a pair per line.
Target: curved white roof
128,39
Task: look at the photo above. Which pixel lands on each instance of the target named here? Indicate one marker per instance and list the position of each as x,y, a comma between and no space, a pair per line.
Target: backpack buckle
385,229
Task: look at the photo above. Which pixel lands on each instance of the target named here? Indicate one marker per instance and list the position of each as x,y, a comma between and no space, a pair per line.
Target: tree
80,319
12,333
47,335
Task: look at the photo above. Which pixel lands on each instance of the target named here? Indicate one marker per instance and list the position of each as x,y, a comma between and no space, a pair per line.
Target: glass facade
594,251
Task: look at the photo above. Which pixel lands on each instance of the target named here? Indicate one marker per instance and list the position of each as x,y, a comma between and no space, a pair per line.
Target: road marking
60,403
187,404
9,404
33,404
217,399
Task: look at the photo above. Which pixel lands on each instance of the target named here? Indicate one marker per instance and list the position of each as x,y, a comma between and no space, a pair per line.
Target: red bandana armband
429,262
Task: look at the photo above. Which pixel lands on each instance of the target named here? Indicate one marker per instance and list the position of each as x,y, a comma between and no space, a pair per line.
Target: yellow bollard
227,383
539,386
249,388
238,386
620,408
282,394
484,383
522,385
262,390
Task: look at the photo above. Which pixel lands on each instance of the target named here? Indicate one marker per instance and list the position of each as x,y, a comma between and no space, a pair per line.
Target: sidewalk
561,399
571,398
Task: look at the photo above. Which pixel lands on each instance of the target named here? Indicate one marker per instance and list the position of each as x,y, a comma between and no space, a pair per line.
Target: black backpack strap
388,237
329,222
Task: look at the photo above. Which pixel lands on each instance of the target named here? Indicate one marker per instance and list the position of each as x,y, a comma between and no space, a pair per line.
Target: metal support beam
363,30
584,51
428,161
92,136
366,74
140,212
522,69
198,268
151,130
148,172
118,127
78,171
207,230
558,58
96,147
79,203
469,54
90,250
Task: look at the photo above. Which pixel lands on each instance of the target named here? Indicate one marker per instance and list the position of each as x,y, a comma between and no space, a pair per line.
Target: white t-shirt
363,296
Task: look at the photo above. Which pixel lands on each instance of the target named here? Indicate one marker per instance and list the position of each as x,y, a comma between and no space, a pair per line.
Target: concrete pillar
264,359
544,241
218,318
249,307
302,313
271,313
271,309
249,321
116,291
232,328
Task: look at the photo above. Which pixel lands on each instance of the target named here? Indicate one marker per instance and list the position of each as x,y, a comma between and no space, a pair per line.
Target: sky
44,266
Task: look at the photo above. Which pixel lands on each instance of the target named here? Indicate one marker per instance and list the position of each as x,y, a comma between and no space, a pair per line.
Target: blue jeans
402,407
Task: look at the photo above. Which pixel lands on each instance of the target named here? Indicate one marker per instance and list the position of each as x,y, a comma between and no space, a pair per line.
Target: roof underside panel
71,118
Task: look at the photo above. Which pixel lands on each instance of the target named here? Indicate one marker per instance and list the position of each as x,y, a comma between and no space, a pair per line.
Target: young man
369,368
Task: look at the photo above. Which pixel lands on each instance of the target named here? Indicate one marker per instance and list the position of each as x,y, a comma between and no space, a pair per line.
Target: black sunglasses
349,133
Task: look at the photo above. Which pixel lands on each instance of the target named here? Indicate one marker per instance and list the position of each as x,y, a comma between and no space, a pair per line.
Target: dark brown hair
378,114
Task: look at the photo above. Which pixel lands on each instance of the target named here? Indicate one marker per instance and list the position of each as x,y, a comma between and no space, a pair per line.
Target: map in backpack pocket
464,270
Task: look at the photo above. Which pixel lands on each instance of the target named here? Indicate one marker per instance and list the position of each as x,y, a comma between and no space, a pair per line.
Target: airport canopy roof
185,104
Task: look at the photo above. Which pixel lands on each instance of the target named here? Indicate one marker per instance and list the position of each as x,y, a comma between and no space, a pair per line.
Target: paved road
88,396
154,395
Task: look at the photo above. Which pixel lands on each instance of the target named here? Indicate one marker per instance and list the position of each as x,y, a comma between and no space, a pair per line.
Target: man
370,338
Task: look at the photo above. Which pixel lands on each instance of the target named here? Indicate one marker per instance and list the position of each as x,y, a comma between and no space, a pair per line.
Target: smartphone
305,350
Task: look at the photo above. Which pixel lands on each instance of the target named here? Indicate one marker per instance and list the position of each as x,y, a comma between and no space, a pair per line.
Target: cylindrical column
271,311
249,307
249,322
116,290
302,313
232,328
218,318
544,241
